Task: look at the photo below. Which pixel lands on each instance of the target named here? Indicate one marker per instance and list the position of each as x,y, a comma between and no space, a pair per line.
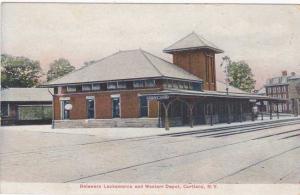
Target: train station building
135,88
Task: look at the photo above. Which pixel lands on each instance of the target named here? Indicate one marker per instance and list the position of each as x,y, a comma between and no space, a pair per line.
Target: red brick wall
195,63
153,109
79,107
56,105
129,105
103,106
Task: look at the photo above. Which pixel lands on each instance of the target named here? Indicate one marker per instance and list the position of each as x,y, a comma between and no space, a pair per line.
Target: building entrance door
116,107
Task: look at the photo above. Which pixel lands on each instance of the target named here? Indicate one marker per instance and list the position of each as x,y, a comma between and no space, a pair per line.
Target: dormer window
150,83
138,84
121,85
186,85
96,86
112,85
86,87
71,88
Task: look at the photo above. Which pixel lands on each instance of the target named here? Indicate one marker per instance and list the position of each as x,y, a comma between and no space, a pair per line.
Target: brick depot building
135,88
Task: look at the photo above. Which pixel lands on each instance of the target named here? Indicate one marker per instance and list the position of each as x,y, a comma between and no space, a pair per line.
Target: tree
240,75
59,68
19,71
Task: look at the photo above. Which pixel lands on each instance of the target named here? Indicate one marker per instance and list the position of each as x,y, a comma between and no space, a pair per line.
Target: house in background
294,92
24,106
287,87
277,87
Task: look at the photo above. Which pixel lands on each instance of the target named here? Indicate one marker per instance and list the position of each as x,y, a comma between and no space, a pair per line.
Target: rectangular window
138,84
116,107
150,83
65,109
90,107
34,112
96,87
112,85
121,85
86,87
180,85
186,85
190,86
175,84
143,106
4,109
71,88
170,84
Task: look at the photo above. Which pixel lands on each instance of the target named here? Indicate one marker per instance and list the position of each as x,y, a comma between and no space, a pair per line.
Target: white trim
90,97
109,91
64,98
115,95
30,105
148,108
59,90
62,110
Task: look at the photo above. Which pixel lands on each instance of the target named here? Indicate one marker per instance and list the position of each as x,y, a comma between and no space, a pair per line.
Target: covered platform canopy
212,100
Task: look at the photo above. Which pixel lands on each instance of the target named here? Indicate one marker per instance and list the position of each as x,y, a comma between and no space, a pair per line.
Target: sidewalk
121,133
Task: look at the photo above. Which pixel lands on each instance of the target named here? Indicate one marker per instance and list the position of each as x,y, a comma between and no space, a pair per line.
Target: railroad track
231,130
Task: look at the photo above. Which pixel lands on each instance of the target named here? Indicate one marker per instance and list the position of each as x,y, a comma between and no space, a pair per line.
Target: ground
266,152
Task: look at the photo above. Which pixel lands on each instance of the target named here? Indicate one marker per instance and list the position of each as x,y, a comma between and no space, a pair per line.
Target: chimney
284,73
293,73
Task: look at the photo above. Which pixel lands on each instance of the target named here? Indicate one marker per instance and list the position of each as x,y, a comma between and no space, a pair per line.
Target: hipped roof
130,64
192,42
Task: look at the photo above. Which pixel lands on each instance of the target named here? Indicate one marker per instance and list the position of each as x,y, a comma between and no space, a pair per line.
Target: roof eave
132,79
171,51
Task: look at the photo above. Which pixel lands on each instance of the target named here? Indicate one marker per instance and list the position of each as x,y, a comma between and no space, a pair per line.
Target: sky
267,37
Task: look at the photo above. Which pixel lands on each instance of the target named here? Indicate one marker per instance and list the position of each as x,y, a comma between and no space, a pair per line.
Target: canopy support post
271,109
277,110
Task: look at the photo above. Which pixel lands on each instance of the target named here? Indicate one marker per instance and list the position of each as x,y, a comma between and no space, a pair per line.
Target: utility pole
225,63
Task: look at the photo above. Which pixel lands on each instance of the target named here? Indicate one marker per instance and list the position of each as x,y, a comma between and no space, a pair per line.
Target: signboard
68,106
157,97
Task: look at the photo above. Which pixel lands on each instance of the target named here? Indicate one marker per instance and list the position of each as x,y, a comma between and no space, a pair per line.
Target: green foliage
19,71
59,68
241,76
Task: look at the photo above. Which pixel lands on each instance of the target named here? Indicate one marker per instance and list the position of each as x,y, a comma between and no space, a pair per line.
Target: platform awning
214,94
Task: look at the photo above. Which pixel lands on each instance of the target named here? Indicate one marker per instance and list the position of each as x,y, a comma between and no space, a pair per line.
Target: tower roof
192,42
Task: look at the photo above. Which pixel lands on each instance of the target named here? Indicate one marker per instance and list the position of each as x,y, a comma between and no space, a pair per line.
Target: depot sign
157,97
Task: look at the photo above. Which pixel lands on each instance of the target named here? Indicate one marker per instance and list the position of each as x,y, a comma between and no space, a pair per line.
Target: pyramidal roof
130,64
192,42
